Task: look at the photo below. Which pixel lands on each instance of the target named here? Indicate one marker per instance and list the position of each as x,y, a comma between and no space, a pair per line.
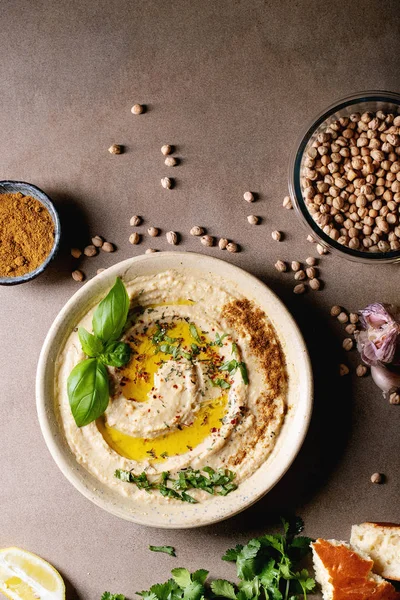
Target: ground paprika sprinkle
26,234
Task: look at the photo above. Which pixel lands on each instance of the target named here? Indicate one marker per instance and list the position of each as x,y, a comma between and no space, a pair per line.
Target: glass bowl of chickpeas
344,177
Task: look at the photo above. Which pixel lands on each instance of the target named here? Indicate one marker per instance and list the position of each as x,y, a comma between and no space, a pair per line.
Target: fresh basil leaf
88,391
181,577
91,345
116,354
222,587
194,333
111,314
166,549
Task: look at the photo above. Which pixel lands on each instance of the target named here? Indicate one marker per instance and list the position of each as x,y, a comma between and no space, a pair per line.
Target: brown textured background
231,84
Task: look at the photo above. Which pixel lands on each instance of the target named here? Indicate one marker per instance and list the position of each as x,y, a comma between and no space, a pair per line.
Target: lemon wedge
26,576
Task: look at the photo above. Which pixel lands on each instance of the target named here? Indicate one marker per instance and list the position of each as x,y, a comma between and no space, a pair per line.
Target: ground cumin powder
26,234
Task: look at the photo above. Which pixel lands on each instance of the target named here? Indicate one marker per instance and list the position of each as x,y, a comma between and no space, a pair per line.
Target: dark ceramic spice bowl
27,189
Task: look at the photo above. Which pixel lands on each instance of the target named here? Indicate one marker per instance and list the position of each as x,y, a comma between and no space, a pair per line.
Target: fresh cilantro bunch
266,569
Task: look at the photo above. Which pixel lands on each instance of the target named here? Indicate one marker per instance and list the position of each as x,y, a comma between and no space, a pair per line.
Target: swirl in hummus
174,405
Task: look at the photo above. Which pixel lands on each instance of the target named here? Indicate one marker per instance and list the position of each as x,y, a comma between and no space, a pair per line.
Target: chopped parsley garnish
194,333
218,482
266,569
219,339
220,383
233,365
166,549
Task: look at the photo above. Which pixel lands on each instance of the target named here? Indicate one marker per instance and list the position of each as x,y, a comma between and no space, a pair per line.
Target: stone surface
231,85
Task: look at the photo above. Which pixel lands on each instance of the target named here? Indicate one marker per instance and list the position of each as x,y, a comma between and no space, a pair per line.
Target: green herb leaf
111,314
88,391
232,554
243,372
181,577
222,587
194,333
220,383
109,596
91,345
200,576
194,591
219,339
116,354
166,549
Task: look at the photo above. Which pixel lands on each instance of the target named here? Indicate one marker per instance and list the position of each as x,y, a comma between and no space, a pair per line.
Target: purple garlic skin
379,345
379,341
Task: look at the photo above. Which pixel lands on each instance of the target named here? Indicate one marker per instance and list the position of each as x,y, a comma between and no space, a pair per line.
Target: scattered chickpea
134,238
166,149
167,183
150,250
232,247
281,266
311,272
78,275
336,310
197,230
253,220
394,398
347,344
321,249
137,109
310,239
361,370
343,370
108,247
76,252
97,241
342,317
171,161
287,203
90,250
223,243
295,265
377,478
300,275
299,289
350,328
153,231
172,237
314,284
207,240
248,196
353,318
311,261
136,221
276,235
116,149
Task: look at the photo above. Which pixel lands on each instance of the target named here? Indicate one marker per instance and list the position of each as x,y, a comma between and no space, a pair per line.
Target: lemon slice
26,576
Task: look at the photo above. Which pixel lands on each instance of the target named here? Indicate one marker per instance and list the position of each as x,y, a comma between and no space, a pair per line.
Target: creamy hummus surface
173,406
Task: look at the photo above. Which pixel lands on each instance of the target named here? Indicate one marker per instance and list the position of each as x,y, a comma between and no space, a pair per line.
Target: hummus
176,403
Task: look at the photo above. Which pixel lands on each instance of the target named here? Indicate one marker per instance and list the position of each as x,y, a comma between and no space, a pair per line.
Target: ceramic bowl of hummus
217,390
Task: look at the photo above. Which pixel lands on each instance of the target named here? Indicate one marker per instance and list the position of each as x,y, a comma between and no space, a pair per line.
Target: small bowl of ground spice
344,177
29,232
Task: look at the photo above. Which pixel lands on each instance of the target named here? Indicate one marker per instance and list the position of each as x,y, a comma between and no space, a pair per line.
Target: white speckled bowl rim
290,439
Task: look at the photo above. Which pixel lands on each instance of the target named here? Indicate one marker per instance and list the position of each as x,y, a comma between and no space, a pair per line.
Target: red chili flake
233,422
175,386
148,410
214,429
